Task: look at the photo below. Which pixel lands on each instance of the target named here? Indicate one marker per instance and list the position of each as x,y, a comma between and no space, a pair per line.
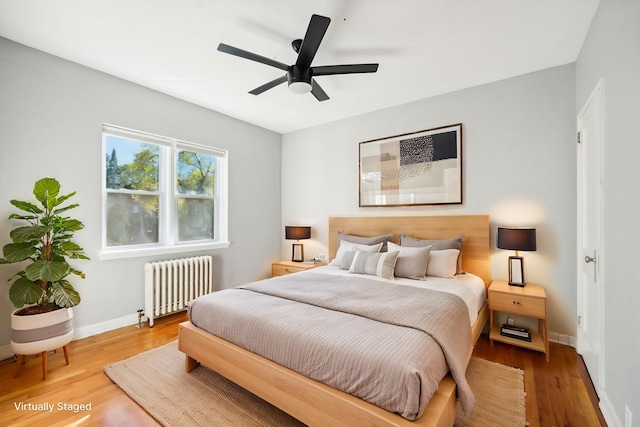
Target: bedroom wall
51,113
519,166
611,52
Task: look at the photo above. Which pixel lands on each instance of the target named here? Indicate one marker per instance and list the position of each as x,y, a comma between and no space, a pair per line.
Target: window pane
131,219
131,164
195,219
195,173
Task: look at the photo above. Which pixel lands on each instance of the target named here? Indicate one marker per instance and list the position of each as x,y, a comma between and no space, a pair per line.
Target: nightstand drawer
518,304
281,270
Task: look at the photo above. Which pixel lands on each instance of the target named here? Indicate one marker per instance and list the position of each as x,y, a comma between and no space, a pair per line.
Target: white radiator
171,285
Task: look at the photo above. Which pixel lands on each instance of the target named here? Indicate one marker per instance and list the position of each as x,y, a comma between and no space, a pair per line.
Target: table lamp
297,233
518,239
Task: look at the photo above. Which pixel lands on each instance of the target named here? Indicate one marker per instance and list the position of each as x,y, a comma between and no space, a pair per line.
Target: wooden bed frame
317,404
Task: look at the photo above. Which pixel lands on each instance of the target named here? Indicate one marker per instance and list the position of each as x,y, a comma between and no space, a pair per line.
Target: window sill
165,250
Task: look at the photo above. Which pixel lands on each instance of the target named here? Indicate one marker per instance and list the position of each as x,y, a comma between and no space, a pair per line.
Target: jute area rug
156,381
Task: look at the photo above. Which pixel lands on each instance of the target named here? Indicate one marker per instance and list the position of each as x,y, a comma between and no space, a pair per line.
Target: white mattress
467,286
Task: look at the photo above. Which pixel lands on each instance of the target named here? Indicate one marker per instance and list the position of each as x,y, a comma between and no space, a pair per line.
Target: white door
590,257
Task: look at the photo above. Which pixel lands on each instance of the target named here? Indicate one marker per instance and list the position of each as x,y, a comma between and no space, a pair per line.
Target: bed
315,403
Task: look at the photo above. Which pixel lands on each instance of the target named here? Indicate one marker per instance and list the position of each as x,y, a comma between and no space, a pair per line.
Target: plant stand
21,361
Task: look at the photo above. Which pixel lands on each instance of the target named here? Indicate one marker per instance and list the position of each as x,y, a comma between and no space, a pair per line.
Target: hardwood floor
559,393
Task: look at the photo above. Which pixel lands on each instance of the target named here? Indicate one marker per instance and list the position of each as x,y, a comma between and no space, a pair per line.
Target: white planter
35,333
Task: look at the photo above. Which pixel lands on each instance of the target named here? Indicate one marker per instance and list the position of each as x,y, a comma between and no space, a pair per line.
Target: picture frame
418,168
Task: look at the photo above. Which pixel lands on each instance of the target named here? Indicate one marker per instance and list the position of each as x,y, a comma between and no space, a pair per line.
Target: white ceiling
424,47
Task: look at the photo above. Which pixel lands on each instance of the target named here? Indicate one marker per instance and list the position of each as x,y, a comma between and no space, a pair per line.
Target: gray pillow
378,264
384,238
436,245
412,262
349,246
347,259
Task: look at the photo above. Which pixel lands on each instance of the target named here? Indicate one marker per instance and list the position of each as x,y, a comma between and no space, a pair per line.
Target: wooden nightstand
530,301
281,268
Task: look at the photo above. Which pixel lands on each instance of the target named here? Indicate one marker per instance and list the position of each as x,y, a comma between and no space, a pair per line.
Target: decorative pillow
443,263
348,246
436,245
347,259
384,238
412,262
379,264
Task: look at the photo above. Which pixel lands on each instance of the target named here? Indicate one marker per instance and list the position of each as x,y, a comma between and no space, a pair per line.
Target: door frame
597,97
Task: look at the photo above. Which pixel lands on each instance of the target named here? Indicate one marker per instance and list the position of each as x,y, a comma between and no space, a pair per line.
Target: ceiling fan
300,76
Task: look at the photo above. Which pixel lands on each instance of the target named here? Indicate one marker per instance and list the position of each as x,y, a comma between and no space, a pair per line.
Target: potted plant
45,244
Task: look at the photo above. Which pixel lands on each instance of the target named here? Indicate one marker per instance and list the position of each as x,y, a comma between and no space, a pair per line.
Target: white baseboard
608,412
562,339
6,351
106,326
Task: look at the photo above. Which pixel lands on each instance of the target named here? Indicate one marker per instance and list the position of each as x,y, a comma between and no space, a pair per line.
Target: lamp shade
297,232
519,239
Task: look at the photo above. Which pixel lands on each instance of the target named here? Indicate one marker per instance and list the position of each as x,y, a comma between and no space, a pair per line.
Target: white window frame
168,206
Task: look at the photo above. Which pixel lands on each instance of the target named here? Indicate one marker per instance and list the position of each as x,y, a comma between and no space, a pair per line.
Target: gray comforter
388,344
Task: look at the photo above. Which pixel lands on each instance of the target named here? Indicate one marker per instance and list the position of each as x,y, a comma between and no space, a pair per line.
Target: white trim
160,250
222,188
608,412
166,213
135,135
6,352
562,339
106,326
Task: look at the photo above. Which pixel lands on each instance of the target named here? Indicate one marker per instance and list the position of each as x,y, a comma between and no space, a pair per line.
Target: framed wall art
419,168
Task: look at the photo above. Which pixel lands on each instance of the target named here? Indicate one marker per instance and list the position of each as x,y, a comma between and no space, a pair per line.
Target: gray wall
612,51
51,113
519,160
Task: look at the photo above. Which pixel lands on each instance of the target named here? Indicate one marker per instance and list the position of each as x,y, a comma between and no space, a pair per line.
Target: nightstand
281,268
529,301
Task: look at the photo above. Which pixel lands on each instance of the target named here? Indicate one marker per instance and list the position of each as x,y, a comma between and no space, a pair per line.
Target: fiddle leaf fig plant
45,243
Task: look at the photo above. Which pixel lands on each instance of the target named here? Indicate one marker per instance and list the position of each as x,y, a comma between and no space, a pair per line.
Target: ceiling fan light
300,87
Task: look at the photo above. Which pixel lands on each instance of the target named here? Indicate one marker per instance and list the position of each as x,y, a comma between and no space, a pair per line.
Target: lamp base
297,252
516,271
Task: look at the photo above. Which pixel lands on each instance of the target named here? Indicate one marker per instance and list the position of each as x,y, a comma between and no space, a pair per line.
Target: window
161,195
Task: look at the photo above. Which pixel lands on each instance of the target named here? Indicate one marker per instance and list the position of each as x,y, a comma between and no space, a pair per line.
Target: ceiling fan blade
344,69
311,42
267,86
251,56
317,91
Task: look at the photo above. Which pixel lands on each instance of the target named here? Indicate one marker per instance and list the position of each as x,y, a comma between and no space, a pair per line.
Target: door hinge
580,321
578,138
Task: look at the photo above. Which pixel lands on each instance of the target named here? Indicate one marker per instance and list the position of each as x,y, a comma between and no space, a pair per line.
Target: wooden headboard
476,250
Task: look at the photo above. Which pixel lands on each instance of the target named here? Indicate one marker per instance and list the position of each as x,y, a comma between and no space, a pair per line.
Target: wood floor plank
559,393
531,399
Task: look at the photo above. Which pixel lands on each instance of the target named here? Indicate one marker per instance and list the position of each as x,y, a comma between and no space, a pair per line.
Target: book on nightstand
515,332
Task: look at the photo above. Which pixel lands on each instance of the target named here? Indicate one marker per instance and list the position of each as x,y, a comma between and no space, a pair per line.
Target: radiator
171,285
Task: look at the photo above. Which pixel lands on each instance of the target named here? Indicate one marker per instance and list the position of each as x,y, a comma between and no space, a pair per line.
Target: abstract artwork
419,168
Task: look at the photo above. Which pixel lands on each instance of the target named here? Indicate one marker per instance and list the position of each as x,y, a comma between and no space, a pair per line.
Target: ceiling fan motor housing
299,79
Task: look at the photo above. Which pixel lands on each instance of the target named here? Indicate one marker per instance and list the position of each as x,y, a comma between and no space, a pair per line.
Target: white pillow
443,263
412,262
378,264
348,246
